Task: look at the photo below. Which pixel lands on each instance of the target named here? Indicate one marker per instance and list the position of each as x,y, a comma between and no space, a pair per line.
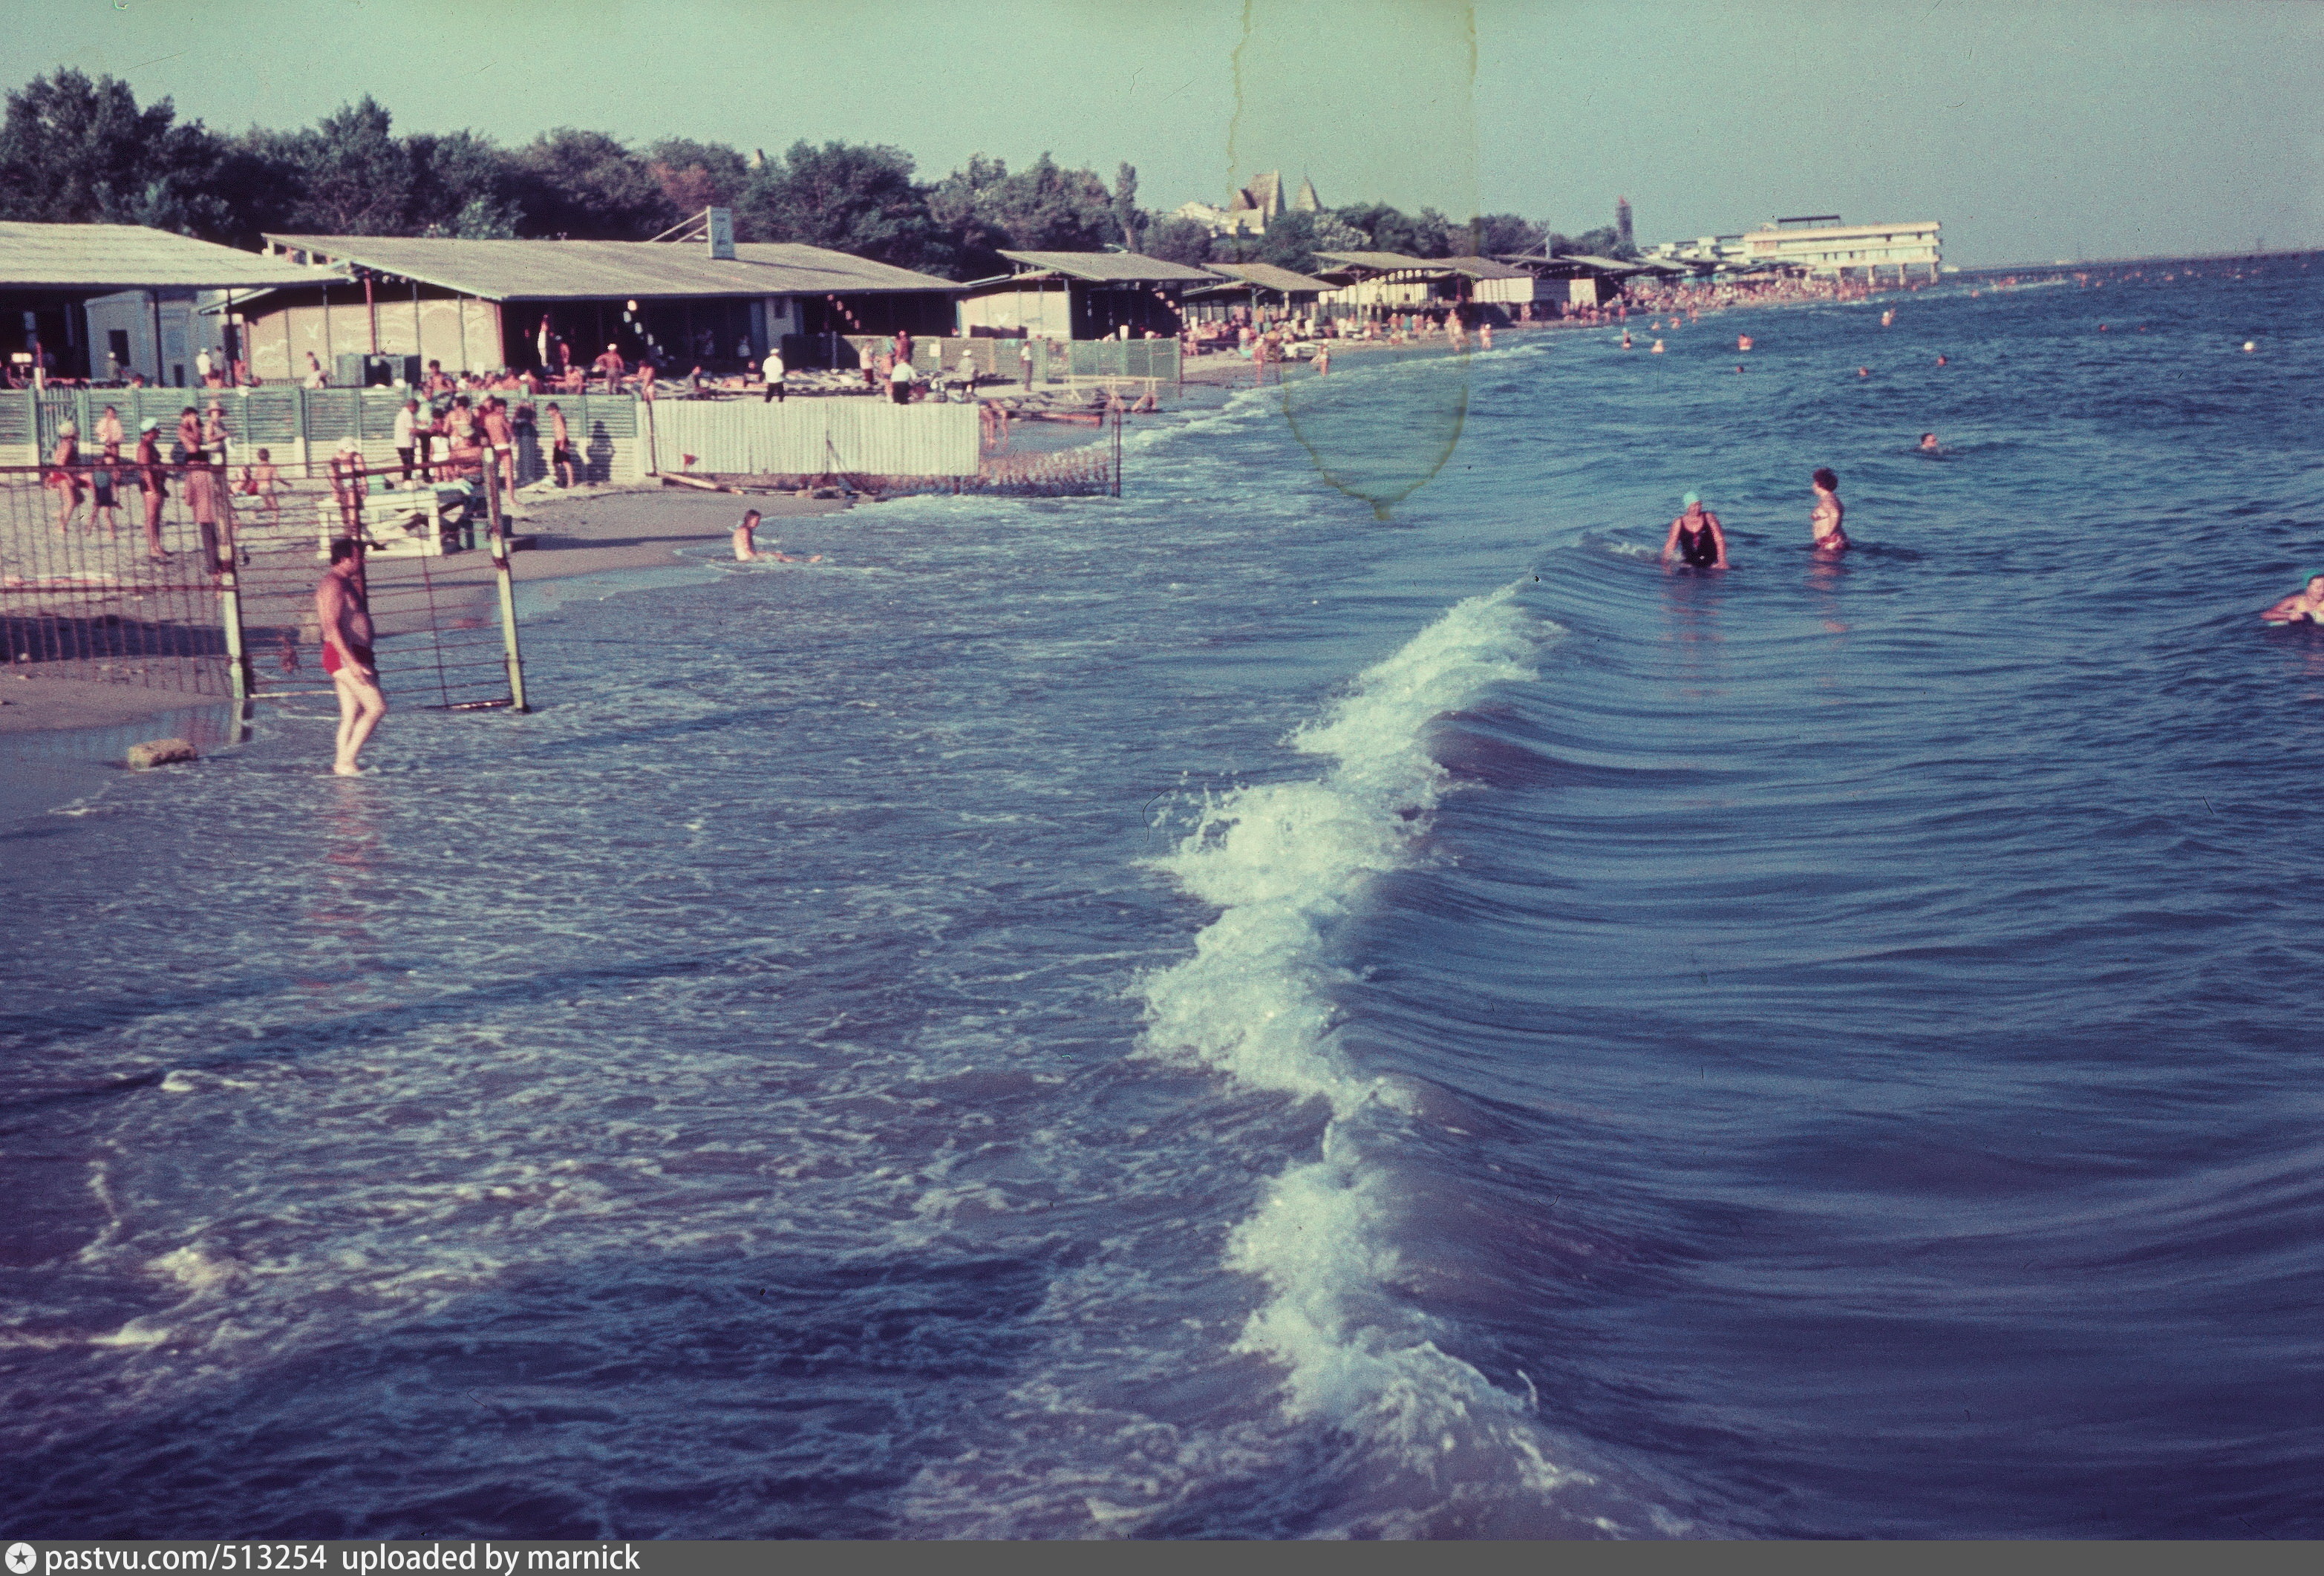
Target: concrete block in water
160,752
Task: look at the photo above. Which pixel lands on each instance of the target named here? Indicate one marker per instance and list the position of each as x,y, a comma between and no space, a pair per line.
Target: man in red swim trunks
346,621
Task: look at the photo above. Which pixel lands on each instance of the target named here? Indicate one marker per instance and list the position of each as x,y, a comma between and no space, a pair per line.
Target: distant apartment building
1821,243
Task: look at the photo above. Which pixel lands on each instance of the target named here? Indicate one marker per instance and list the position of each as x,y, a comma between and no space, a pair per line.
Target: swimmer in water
2303,606
1940,361
1695,537
1929,444
1625,339
746,548
1824,521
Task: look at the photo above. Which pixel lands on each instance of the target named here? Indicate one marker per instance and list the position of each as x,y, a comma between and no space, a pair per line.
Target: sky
2031,131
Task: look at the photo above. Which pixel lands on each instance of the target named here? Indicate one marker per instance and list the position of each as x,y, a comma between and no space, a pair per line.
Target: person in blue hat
2303,606
1695,538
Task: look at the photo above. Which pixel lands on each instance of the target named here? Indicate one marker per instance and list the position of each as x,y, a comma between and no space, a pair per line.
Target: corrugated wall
856,435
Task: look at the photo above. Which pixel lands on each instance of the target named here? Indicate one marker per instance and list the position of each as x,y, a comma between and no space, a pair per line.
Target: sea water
1328,996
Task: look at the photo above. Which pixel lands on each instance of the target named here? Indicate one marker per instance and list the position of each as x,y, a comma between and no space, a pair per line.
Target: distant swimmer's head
2312,580
345,548
1690,500
1824,478
750,517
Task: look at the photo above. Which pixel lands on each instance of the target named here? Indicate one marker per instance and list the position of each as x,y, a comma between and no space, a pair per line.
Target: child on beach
100,483
260,480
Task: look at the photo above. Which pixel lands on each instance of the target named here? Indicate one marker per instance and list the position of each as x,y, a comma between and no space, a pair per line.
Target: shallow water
1218,1013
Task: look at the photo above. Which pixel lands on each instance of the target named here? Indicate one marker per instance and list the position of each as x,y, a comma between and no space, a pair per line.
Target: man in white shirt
406,439
1025,359
968,371
774,369
202,366
900,381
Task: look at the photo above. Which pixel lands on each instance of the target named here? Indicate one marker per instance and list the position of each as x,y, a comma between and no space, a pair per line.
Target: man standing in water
346,621
1695,537
1824,519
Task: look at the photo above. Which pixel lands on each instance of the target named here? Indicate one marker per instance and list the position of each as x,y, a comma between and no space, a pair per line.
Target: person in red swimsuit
345,621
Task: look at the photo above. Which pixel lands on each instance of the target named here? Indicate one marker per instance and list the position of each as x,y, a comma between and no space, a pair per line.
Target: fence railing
183,584
301,427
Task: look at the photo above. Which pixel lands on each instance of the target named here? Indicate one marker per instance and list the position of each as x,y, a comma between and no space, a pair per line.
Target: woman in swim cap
1695,537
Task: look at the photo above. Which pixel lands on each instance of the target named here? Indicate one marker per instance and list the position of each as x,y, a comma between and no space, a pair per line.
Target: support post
653,461
499,539
224,567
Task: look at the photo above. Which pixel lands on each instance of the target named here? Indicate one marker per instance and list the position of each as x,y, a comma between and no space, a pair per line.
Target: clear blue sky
2032,130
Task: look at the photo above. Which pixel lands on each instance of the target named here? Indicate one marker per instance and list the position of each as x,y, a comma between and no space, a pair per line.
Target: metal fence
301,427
816,438
184,584
87,598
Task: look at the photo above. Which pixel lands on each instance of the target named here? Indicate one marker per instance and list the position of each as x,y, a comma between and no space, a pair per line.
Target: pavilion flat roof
1381,262
1268,276
1112,267
551,270
1483,267
114,257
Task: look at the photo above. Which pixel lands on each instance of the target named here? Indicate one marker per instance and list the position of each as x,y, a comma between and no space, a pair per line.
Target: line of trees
81,151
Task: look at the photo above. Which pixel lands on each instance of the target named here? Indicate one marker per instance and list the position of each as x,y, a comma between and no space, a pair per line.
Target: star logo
21,1559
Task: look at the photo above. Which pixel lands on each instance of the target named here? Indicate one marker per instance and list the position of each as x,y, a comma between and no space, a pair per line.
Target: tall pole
499,538
230,603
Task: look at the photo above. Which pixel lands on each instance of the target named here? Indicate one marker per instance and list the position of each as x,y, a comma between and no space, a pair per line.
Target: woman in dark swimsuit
1695,538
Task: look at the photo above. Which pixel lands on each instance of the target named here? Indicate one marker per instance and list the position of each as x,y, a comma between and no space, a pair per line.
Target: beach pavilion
101,302
1079,295
1377,284
1257,286
393,304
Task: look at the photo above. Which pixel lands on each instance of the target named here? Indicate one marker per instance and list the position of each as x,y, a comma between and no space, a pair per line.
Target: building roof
1112,267
1483,267
1268,276
1381,261
551,270
111,257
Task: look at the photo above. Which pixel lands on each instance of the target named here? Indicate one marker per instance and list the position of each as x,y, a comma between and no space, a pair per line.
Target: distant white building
1701,249
1252,207
1821,245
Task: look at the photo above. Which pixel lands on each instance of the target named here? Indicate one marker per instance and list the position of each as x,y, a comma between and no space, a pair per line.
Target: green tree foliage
1042,208
961,208
587,186
1502,235
695,176
1605,241
74,150
464,185
851,197
1290,242
1180,241
1387,229
1127,217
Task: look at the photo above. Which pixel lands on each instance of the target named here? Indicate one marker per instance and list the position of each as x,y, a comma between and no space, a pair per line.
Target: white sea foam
1285,864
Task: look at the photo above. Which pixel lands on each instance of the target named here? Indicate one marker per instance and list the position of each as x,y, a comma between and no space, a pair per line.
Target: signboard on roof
720,231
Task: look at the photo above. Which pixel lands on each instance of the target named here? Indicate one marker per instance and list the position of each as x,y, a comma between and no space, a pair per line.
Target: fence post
1117,452
499,538
225,565
653,461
